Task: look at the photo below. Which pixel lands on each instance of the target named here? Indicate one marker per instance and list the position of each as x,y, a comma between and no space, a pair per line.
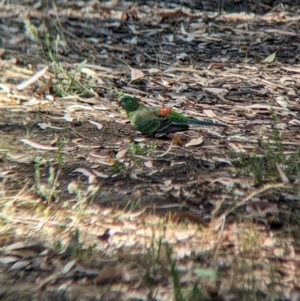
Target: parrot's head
129,103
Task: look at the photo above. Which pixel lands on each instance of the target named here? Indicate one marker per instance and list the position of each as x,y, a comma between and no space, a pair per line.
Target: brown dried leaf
15,246
148,164
20,265
91,176
216,90
291,69
154,70
136,74
193,142
97,124
8,259
37,145
209,113
121,153
100,174
67,268
68,117
238,148
176,140
43,125
270,58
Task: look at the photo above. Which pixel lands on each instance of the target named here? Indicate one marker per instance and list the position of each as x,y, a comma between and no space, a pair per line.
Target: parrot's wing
145,120
167,125
172,128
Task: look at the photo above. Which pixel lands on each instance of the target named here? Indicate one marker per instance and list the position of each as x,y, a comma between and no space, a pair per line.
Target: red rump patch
164,111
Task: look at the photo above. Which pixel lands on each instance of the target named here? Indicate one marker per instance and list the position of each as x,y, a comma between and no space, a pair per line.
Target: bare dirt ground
92,210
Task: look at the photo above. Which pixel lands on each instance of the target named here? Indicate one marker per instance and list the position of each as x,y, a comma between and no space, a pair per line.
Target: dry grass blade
33,79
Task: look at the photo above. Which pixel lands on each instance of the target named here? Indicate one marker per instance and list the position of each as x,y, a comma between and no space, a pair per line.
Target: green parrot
149,120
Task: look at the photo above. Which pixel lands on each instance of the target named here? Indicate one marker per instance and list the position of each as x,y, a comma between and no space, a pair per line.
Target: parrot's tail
204,123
